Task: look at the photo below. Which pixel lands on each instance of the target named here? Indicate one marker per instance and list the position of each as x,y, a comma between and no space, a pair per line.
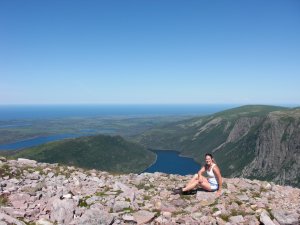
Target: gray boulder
10,220
286,218
94,216
62,211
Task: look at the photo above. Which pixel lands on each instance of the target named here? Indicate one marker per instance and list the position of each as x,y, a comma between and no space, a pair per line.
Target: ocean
15,112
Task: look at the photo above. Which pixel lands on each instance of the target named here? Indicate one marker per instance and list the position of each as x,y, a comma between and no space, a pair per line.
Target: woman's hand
219,192
200,179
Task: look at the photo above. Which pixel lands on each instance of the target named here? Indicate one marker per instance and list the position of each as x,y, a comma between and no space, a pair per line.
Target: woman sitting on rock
212,183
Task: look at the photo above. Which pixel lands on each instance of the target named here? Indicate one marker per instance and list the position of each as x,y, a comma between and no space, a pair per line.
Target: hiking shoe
177,191
190,192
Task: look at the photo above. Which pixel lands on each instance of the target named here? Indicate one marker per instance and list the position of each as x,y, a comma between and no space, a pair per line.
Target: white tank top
211,176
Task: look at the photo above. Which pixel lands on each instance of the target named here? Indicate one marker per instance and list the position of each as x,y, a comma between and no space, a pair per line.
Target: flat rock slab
286,218
10,220
143,216
94,216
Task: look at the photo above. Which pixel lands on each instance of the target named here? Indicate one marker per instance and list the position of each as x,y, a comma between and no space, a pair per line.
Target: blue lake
36,141
171,163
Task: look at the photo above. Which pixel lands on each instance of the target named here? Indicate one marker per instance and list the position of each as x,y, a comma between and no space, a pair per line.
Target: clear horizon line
145,104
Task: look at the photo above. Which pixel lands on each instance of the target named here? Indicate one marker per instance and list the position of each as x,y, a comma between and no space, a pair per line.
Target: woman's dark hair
210,155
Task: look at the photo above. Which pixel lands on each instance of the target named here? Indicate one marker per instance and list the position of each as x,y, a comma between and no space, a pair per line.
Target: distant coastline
13,112
35,141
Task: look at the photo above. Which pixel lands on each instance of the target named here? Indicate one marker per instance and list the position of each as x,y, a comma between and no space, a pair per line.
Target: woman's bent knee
195,177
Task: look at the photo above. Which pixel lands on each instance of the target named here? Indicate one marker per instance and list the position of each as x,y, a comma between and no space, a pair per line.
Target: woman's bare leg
190,186
204,184
195,178
195,182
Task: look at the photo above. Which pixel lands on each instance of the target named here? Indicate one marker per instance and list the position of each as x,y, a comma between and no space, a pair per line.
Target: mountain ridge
237,137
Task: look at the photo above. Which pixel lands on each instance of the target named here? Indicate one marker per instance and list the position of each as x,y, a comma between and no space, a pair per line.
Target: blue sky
165,52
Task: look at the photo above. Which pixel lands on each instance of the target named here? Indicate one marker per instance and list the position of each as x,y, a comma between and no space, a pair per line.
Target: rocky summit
45,194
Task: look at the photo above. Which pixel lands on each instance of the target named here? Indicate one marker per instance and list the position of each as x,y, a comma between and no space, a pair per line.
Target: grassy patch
141,204
255,195
214,209
27,223
147,197
238,202
3,200
225,217
128,210
214,203
82,202
270,213
243,190
5,170
179,212
40,170
186,197
118,192
235,212
17,173
262,189
157,212
100,194
143,186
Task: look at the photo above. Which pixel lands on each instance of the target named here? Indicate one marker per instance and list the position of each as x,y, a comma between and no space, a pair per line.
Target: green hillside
249,110
101,152
193,137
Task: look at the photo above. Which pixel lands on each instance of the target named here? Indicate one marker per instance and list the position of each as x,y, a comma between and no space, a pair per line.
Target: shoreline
179,154
190,158
151,164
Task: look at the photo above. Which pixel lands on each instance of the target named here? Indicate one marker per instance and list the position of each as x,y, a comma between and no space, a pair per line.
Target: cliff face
278,149
253,141
48,194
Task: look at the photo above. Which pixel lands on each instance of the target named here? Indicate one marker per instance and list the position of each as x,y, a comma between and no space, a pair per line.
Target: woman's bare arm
200,172
218,175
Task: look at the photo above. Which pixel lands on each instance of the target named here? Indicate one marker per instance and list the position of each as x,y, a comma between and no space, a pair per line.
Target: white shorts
213,186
